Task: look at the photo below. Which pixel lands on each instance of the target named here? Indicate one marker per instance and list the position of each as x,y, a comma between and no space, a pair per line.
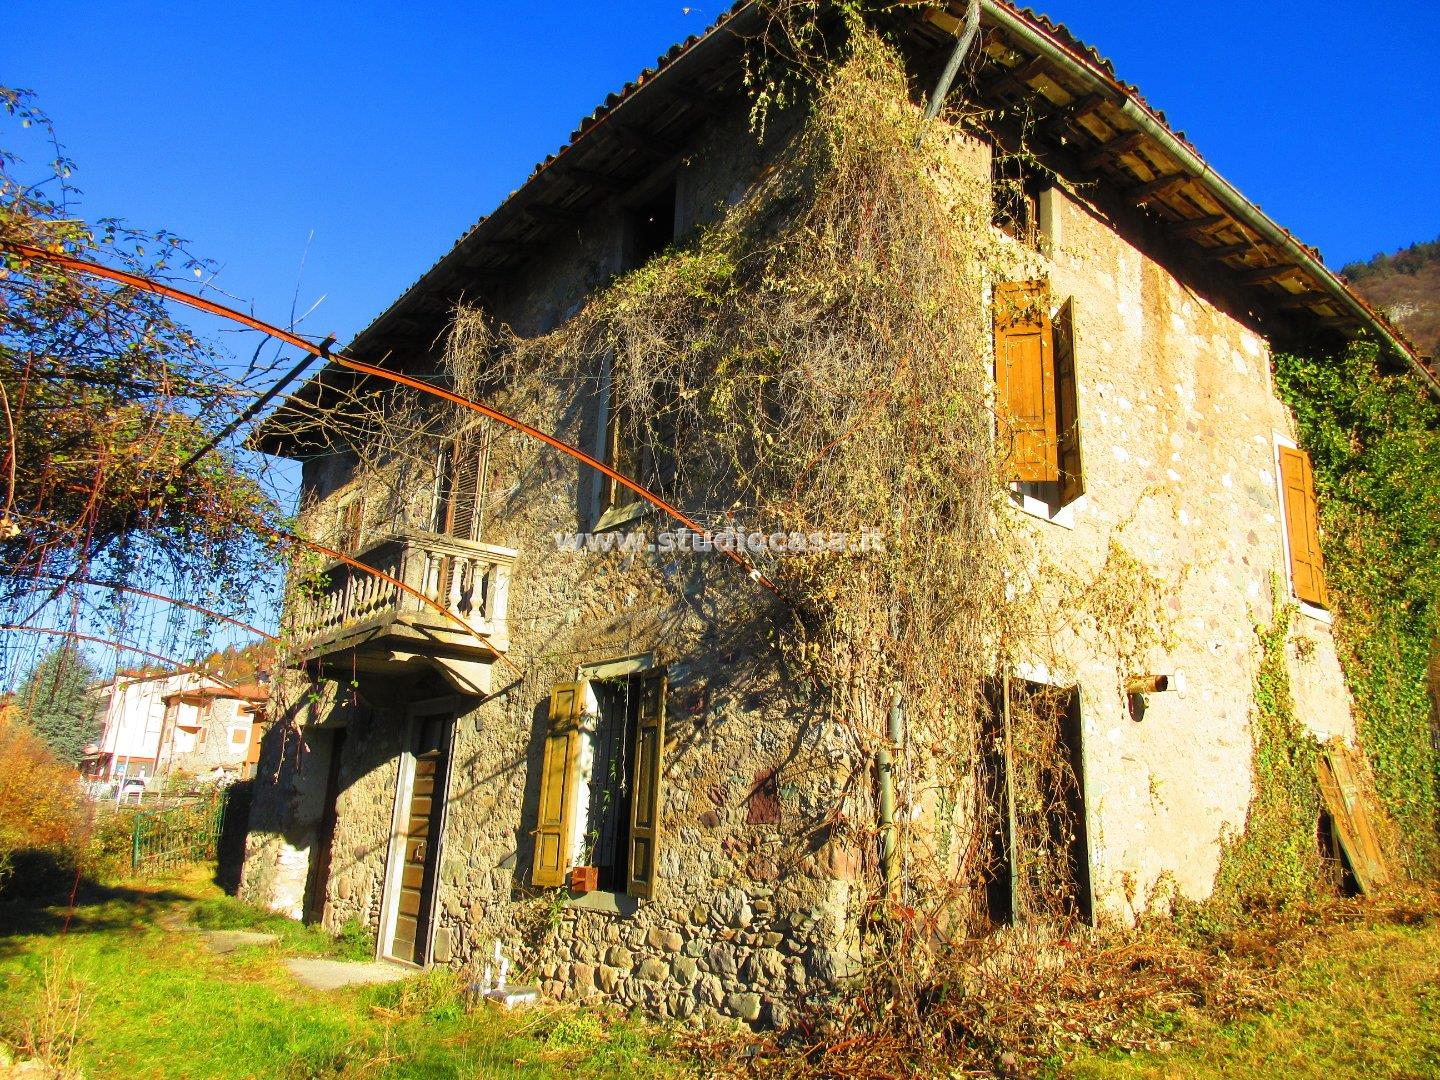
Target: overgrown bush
1374,438
42,810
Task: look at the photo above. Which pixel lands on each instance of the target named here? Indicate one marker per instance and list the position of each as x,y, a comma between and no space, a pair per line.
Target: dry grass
1323,981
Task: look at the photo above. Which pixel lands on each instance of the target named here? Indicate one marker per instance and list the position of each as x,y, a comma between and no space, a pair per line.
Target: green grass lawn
120,995
125,991
1366,1006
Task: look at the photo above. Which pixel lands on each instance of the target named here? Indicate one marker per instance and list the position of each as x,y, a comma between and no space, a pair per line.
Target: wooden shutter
1072,475
1025,381
556,815
1302,527
646,765
352,524
466,484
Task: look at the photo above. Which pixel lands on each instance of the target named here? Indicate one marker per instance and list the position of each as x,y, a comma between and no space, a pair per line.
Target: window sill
1319,614
606,903
1063,516
616,516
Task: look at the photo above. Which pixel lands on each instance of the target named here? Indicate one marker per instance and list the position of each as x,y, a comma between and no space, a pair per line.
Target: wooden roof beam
1159,187
1122,144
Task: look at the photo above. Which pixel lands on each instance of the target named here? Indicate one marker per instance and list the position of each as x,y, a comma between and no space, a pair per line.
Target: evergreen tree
53,703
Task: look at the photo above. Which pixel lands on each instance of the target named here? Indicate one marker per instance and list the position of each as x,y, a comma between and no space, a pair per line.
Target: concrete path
227,941
333,974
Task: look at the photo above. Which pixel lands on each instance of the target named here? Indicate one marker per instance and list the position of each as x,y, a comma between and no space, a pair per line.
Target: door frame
455,705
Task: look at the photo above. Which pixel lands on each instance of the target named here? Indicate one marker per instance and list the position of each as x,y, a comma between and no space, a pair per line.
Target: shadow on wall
230,849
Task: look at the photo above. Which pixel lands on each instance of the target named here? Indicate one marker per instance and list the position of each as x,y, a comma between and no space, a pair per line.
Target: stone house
212,726
441,782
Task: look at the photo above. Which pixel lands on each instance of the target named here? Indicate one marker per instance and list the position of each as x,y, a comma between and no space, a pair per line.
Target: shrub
41,807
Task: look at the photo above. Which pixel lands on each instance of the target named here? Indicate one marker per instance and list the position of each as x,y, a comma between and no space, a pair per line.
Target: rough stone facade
757,903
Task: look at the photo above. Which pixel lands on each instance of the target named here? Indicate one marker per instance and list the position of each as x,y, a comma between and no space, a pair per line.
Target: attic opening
652,227
1015,187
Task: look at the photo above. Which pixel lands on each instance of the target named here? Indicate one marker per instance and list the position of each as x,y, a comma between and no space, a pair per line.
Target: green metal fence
172,836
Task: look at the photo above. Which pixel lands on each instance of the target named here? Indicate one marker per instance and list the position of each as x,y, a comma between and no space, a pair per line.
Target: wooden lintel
643,142
1086,106
1266,274
1226,251
1121,145
1159,187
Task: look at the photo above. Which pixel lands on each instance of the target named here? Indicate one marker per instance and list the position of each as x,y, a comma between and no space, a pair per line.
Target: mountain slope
1406,287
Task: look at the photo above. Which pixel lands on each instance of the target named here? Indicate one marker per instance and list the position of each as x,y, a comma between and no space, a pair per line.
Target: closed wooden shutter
351,525
646,765
1302,527
1072,473
1025,382
467,484
556,815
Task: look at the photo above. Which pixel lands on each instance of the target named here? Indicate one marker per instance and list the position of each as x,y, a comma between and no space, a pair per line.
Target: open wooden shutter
556,814
1072,475
647,762
1025,381
1302,527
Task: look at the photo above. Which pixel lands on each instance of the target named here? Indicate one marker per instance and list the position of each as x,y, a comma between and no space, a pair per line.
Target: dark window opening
1015,198
1033,812
652,227
607,820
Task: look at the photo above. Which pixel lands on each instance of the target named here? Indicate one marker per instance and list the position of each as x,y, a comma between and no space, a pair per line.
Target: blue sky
384,130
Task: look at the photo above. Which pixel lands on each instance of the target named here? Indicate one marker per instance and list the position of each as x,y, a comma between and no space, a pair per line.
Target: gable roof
1082,109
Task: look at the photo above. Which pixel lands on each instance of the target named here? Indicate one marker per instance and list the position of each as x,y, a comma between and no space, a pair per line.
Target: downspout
1219,188
957,57
895,738
885,766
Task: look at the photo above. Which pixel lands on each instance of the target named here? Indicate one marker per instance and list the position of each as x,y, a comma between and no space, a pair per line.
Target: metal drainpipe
957,57
885,765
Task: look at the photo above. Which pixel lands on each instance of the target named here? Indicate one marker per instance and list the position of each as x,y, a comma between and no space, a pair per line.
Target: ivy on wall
1374,439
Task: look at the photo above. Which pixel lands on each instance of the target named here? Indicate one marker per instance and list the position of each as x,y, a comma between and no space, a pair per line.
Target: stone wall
759,906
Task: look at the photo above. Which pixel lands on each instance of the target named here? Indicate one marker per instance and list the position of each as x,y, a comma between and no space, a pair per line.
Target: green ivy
1374,440
1275,861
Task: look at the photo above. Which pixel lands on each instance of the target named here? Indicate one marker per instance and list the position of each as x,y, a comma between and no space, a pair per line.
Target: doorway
420,819
319,882
1033,806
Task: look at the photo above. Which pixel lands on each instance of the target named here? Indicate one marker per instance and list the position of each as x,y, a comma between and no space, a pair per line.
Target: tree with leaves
55,704
109,407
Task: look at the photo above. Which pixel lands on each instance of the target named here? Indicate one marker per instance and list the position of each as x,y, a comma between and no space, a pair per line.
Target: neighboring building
155,725
210,727
133,720
425,792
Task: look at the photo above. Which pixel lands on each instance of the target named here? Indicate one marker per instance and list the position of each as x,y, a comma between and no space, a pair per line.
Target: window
1039,423
652,227
1015,198
600,782
642,449
1302,527
350,525
239,736
461,477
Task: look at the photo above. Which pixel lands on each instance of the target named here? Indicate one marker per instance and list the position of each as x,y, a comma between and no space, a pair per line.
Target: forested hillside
1406,287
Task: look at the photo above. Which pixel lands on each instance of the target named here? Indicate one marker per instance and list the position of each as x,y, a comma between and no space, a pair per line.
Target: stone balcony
354,621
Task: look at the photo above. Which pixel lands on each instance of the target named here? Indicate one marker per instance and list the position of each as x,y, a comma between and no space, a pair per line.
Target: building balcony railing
351,610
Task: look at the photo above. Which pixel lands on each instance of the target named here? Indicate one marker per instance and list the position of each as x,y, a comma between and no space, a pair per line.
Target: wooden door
423,820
